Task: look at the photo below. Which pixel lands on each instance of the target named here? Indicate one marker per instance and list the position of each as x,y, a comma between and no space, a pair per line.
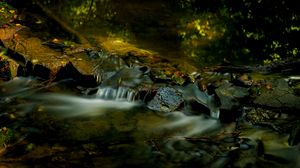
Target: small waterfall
119,94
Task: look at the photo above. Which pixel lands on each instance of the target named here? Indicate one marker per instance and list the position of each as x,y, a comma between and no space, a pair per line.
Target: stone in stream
104,64
127,77
231,96
192,92
167,99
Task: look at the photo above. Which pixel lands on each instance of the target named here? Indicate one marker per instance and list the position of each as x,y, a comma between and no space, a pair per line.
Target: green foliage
207,31
257,30
6,13
6,135
269,29
201,33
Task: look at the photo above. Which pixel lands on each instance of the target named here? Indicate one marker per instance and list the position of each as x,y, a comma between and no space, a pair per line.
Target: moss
6,135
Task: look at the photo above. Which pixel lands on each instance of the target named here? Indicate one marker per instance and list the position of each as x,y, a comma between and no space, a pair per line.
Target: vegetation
208,31
256,30
7,13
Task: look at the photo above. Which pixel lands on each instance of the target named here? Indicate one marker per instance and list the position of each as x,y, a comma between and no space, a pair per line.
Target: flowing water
59,125
115,130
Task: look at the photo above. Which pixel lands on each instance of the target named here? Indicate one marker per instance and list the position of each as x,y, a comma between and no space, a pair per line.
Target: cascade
119,94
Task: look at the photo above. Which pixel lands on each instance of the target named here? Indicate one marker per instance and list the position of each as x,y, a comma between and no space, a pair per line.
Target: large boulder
231,96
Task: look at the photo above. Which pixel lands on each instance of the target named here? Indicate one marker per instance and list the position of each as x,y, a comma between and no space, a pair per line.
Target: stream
57,125
149,101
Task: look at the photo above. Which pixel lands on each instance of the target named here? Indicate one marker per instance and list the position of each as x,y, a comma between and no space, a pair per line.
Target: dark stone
105,64
192,92
260,148
194,107
167,99
29,68
5,73
20,71
127,77
25,70
41,71
231,96
228,116
70,72
20,59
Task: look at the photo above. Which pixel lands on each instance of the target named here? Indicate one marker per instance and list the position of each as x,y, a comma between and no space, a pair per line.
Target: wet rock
192,92
167,99
8,68
69,71
278,94
231,96
104,64
128,77
31,54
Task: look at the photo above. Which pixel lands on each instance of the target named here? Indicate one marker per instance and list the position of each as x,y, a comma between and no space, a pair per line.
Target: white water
118,94
188,126
73,106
